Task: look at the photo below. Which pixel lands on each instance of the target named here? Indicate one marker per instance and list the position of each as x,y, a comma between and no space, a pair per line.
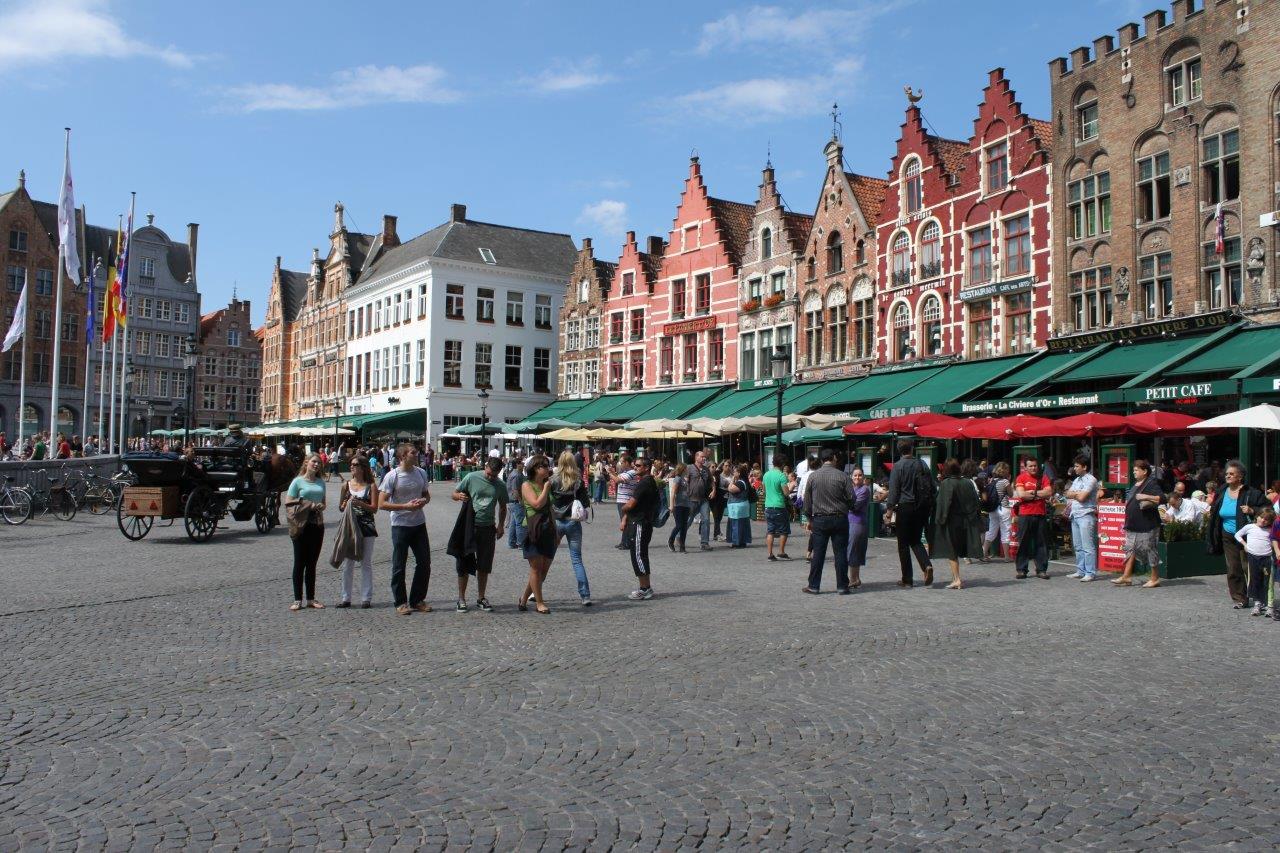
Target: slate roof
734,219
293,293
651,264
869,193
604,271
513,248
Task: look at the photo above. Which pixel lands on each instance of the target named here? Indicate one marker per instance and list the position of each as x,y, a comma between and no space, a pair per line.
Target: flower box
772,300
751,305
636,386
715,374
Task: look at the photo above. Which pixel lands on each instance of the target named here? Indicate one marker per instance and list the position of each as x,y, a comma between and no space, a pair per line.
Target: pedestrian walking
569,506
1233,507
515,524
777,514
912,492
360,491
600,479
623,480
1255,538
678,501
720,499
638,514
738,508
485,514
956,518
305,500
999,516
1141,525
540,536
859,526
404,494
828,496
1082,509
701,492
1033,491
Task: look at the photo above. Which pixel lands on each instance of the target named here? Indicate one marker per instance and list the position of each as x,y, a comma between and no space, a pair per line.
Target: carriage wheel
134,527
262,515
201,515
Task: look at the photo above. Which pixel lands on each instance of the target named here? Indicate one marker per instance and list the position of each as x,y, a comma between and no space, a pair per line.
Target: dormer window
487,256
913,186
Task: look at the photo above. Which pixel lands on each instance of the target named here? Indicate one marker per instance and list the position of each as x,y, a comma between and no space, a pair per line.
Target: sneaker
343,604
403,610
1076,575
772,559
365,605
1266,611
461,606
1021,576
531,599
810,590
1088,578
642,594
783,555
1238,605
484,605
1257,610
705,547
586,602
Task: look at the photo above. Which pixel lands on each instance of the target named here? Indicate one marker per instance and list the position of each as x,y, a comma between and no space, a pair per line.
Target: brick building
229,368
964,237
767,282
284,300
582,322
837,315
622,345
1155,134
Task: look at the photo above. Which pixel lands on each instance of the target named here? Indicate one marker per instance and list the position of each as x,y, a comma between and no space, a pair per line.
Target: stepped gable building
229,375
284,301
1163,137
623,344
767,282
837,310
691,327
582,321
964,237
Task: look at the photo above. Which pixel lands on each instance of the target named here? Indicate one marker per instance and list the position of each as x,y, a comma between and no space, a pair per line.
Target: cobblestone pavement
160,693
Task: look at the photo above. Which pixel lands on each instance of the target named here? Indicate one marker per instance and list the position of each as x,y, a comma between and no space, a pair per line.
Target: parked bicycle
55,498
101,494
15,503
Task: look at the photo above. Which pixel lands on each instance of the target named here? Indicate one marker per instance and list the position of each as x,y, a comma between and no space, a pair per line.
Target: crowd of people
38,446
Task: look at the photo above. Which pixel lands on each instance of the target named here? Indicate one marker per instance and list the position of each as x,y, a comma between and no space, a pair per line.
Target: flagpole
102,387
122,277
88,378
115,363
22,374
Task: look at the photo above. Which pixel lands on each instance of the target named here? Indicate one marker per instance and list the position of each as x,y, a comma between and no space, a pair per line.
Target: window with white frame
931,326
766,243
584,290
422,301
864,328
1017,245
376,384
484,304
930,250
1155,283
404,348
1183,82
593,331
628,283
1153,187
902,332
542,311
514,363
1087,117
1017,323
997,166
912,186
1224,273
233,337
484,365
981,343
147,267
452,364
901,258
1089,205
813,335
541,370
1091,297
747,343
453,302
591,377
980,255
1220,166
515,308
573,335
395,367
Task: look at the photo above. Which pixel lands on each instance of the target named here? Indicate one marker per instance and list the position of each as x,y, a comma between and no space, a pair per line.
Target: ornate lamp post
484,419
189,366
779,362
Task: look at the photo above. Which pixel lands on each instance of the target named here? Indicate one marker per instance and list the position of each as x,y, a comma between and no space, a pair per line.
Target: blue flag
93,311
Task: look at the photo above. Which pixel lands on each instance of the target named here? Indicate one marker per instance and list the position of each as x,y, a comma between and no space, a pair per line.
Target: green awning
633,406
945,386
734,401
795,400
603,408
865,392
681,404
561,409
1124,361
409,420
1042,366
806,435
1234,353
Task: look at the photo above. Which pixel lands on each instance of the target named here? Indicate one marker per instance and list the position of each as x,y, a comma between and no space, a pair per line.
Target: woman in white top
360,490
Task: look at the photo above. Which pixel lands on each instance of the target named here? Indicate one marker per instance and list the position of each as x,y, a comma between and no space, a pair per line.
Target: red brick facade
230,368
583,323
635,278
964,237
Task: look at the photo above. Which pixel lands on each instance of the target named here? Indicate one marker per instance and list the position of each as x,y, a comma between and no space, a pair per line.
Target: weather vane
836,127
913,97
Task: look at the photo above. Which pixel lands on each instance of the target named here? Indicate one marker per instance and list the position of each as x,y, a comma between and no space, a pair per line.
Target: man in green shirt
41,449
488,496
777,516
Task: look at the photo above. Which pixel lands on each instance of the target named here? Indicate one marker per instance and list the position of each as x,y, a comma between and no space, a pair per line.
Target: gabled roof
209,321
293,293
734,219
951,153
513,248
1043,132
604,271
798,226
260,333
869,193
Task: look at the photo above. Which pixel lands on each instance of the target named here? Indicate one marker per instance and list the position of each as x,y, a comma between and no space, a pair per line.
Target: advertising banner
1110,536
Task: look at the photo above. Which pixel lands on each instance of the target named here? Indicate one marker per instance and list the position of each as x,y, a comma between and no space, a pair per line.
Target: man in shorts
777,516
488,496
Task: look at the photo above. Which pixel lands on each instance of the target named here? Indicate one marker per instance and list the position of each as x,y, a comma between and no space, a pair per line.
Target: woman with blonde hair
305,504
566,487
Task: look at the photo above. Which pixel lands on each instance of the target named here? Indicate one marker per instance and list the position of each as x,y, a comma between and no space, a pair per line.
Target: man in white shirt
404,494
1182,509
1082,497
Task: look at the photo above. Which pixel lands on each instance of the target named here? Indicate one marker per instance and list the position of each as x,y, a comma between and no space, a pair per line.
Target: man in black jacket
912,489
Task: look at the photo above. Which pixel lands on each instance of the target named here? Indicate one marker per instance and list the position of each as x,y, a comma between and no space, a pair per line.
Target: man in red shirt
1033,490
64,447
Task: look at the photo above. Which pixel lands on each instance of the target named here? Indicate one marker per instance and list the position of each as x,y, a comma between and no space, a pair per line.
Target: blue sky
254,118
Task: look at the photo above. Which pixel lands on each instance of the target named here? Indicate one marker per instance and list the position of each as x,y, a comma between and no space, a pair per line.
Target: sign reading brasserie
1183,394
683,327
1028,404
999,288
1141,332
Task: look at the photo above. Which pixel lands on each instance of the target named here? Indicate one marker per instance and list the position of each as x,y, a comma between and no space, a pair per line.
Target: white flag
19,321
67,218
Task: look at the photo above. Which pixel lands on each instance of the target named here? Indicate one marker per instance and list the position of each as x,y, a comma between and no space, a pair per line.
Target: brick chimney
655,246
390,238
457,213
586,245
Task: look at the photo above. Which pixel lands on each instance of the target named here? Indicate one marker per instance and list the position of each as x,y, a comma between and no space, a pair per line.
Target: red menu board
1110,536
1117,461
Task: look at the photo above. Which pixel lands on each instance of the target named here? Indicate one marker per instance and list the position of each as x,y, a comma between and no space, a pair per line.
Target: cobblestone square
161,694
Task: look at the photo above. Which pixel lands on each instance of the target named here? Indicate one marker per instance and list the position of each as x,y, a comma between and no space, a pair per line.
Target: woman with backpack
999,519
738,507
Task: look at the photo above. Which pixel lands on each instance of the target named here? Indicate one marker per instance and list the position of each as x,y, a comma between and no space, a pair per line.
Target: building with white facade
466,306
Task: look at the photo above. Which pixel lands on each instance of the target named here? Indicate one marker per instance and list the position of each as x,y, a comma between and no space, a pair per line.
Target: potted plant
751,305
1183,552
636,384
772,300
715,373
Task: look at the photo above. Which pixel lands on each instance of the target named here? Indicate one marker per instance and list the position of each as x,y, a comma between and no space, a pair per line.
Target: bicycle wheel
15,506
64,504
98,500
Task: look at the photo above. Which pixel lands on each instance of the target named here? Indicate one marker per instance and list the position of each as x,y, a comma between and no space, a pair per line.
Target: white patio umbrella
1264,416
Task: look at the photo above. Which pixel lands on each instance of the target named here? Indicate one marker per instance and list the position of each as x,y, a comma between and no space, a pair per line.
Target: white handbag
578,512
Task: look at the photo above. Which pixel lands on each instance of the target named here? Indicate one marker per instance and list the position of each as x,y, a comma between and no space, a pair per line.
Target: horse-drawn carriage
201,491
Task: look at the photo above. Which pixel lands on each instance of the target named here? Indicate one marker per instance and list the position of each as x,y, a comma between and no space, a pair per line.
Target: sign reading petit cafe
684,327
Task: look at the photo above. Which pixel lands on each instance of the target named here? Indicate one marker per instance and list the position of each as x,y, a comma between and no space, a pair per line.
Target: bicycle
57,498
15,503
101,494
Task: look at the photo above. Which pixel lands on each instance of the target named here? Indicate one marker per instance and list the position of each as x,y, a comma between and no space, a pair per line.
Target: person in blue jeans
567,487
404,494
516,521
1082,497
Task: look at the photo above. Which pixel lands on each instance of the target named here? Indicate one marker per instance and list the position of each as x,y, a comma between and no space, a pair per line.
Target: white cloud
570,77
608,216
812,29
765,98
39,32
352,87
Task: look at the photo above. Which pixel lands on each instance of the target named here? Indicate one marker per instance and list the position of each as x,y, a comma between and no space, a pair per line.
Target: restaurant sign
1143,332
999,288
769,382
684,327
1186,393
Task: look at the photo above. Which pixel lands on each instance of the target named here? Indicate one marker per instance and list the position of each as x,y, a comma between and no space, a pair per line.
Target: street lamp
484,419
151,411
189,365
124,409
337,412
779,361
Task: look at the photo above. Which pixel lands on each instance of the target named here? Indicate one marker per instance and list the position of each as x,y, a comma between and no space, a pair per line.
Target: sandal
1151,584
1122,582
521,606
315,605
543,609
297,605
955,585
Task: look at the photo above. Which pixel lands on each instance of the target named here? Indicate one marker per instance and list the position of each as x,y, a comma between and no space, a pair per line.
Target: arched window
1086,107
902,332
766,243
902,258
835,253
930,251
931,326
584,290
812,268
30,417
860,252
912,186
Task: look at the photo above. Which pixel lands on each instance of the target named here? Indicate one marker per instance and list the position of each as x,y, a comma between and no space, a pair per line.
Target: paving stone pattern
160,694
